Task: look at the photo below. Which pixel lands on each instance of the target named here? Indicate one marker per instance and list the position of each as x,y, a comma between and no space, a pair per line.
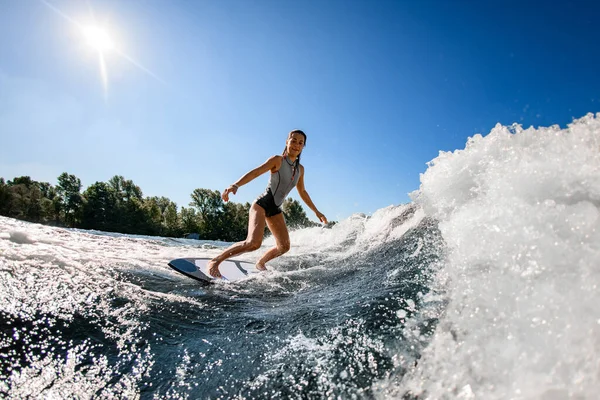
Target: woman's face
295,144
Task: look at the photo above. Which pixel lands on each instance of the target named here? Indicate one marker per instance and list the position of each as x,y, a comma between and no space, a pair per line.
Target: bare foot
261,267
213,269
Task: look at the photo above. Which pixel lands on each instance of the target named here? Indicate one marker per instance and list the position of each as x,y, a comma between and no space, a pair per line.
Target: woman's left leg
256,230
277,226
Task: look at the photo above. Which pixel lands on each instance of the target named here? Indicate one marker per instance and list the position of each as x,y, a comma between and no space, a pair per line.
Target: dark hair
297,162
300,132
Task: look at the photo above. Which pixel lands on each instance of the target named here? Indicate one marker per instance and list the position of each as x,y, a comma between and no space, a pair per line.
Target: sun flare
98,38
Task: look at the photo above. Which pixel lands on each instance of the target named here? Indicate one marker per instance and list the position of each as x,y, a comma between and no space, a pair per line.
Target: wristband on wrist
235,186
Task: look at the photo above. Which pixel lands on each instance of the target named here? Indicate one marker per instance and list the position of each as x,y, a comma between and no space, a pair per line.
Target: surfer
286,173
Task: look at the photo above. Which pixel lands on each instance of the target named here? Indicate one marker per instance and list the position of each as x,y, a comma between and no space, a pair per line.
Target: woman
286,172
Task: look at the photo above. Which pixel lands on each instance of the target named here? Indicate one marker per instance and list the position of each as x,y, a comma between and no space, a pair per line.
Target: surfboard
196,268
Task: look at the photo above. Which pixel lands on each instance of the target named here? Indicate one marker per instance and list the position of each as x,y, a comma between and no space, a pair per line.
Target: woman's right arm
272,164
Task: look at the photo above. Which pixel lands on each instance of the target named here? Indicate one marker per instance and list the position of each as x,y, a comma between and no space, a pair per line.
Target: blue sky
200,92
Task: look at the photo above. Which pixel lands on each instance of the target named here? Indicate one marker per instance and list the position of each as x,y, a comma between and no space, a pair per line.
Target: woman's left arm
306,198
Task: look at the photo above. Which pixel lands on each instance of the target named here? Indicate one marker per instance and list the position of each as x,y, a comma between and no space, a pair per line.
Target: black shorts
267,201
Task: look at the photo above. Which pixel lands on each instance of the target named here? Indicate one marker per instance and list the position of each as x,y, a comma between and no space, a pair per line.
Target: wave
519,211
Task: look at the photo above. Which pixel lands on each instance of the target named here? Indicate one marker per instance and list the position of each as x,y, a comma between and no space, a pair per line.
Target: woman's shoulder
275,162
277,158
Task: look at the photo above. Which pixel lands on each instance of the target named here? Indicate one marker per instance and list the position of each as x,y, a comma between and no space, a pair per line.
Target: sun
98,38
101,42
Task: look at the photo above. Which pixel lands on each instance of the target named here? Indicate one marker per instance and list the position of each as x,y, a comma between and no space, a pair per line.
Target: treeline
119,206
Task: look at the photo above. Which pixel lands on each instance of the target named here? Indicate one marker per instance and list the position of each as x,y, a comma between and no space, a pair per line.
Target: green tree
165,217
19,201
132,191
50,202
26,199
162,202
100,207
209,206
172,222
295,216
153,218
189,220
130,213
22,180
5,198
26,202
234,222
125,189
68,189
135,217
116,184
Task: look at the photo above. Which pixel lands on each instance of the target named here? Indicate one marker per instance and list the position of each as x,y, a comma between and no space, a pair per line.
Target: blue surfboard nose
184,265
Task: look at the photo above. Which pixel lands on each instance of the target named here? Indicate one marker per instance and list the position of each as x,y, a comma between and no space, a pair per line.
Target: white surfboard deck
196,268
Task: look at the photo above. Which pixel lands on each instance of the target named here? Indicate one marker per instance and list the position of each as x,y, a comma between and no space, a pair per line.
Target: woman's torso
284,179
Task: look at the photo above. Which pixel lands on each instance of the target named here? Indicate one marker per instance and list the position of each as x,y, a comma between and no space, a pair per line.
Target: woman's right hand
231,189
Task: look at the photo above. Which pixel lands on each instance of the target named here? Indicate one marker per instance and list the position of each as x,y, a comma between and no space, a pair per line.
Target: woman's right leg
277,226
256,230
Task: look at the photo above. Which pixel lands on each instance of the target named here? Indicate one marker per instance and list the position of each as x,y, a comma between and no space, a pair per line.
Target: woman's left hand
321,217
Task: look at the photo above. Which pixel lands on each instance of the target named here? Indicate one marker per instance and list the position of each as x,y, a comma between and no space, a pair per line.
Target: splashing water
519,211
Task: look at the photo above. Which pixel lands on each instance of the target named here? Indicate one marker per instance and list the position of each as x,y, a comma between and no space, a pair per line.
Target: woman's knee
253,244
283,247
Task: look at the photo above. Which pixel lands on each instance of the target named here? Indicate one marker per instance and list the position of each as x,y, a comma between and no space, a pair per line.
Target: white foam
51,274
356,234
520,212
